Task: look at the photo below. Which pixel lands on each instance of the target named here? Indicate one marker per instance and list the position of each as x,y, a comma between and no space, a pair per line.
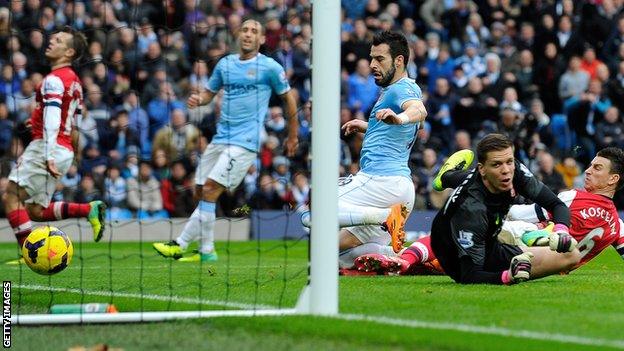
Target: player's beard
385,79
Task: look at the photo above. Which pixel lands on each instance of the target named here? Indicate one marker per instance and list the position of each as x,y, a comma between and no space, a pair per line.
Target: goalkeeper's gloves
561,240
519,269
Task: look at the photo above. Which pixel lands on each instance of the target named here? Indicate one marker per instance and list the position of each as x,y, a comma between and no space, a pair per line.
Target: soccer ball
47,250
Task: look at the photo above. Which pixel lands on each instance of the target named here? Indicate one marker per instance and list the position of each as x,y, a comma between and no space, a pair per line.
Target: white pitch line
179,299
476,329
409,323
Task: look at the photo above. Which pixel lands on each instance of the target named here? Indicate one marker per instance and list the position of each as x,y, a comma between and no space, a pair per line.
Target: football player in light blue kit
382,193
247,78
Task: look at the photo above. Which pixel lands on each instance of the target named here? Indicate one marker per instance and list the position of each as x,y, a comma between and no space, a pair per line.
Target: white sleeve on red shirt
535,213
619,243
53,90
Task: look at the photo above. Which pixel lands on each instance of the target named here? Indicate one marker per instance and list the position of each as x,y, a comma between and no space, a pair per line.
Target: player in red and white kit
595,223
51,152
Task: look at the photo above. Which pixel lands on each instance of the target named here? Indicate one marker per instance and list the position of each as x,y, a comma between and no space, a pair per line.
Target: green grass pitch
581,311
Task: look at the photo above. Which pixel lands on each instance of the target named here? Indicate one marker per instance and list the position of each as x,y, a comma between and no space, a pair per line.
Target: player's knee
211,191
572,258
35,212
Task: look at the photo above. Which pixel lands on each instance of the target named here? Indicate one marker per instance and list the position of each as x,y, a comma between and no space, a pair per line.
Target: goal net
143,61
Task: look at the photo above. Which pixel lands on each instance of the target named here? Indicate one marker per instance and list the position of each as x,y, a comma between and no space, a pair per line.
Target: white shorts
225,164
30,171
511,232
375,191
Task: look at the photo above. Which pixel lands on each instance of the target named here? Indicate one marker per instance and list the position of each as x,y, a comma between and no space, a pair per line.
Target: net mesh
263,254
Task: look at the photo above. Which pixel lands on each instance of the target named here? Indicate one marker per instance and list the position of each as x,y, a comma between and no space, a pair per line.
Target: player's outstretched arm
199,99
413,111
354,126
292,141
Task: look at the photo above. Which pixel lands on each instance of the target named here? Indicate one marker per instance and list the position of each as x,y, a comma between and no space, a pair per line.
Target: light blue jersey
387,147
247,89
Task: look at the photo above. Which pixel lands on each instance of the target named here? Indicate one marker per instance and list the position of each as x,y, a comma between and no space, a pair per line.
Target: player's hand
291,145
386,115
51,168
561,240
354,126
519,269
193,101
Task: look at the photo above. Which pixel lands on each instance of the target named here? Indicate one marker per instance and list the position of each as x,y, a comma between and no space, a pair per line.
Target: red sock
419,252
21,224
61,210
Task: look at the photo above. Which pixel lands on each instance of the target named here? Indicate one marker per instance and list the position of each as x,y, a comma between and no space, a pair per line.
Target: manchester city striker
374,204
247,79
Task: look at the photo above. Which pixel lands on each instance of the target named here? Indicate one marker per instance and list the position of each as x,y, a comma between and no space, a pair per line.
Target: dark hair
397,43
492,142
78,42
616,156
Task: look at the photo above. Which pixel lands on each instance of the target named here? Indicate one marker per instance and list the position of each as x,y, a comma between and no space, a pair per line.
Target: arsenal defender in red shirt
51,152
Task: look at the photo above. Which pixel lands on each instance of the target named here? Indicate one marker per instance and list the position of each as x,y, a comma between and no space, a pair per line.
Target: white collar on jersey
249,60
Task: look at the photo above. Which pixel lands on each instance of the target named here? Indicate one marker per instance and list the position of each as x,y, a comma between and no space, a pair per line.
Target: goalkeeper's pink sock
61,210
419,252
21,224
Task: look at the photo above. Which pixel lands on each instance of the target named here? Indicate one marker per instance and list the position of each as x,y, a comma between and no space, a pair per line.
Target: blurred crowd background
548,73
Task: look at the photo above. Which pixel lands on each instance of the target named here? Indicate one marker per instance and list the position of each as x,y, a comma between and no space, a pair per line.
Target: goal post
325,146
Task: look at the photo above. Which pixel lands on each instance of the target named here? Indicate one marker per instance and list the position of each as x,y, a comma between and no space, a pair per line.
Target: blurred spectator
440,107
115,195
590,63
177,192
548,175
161,107
573,82
178,138
440,67
610,131
161,164
138,121
144,194
571,172
87,191
266,197
118,137
70,182
363,91
6,130
299,194
281,175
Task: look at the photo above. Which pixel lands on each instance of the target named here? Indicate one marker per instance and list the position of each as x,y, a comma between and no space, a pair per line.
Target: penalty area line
475,329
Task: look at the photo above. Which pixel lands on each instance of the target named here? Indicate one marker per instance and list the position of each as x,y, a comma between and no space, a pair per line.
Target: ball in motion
47,250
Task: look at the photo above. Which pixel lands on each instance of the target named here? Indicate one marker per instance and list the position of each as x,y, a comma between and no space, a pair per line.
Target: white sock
351,215
208,216
190,231
347,257
200,224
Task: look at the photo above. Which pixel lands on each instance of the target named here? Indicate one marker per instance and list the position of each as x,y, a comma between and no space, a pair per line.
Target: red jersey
61,88
594,223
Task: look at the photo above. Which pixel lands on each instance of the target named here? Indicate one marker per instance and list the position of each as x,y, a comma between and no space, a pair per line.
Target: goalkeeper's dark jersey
464,232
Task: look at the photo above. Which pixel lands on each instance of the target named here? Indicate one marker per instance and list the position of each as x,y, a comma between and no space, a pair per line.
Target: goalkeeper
464,233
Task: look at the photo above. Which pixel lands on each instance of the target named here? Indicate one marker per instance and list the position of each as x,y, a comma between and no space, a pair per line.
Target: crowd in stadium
548,73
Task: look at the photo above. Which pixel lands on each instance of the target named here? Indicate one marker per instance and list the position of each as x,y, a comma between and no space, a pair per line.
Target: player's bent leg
547,262
460,160
395,224
381,264
17,215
